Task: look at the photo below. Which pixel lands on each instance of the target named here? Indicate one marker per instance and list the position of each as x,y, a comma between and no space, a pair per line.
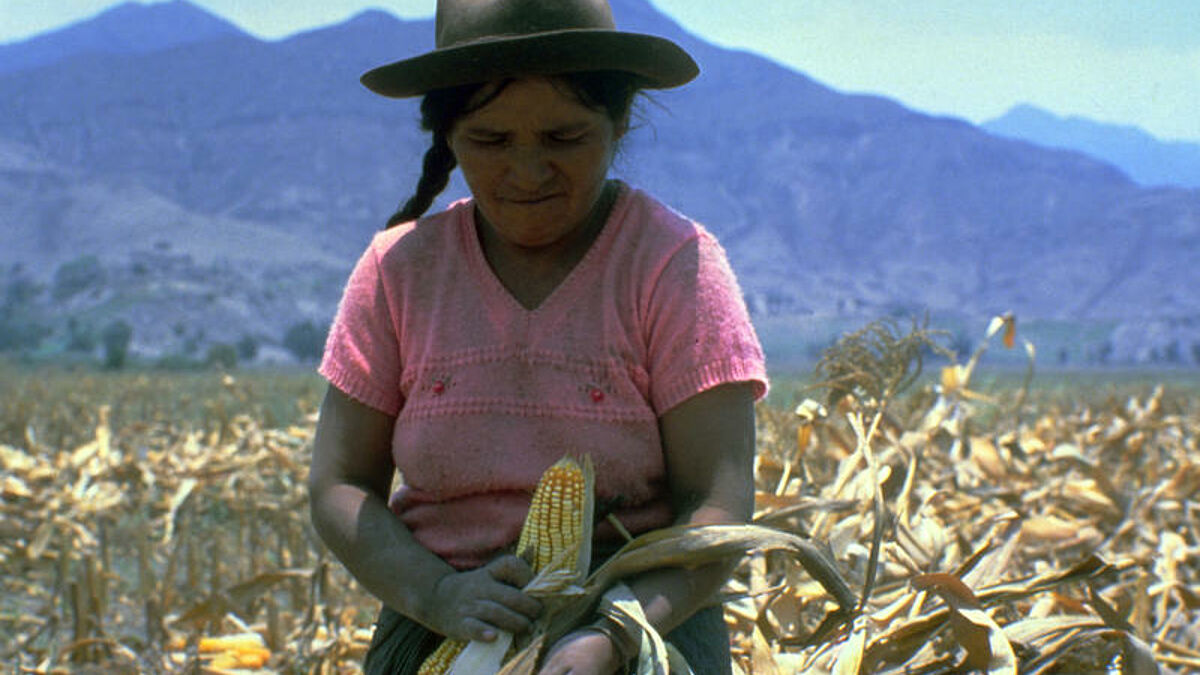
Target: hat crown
465,21
484,40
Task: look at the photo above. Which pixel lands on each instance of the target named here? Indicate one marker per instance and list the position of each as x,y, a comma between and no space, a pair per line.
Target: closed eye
487,139
568,137
575,133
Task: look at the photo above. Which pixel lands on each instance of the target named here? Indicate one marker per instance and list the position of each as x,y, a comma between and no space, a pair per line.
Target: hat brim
658,61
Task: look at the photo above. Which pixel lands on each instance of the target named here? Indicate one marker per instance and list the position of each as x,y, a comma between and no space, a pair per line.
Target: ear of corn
439,661
557,532
556,541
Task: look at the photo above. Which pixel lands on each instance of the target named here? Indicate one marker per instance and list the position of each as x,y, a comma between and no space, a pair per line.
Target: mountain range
1144,158
223,185
129,28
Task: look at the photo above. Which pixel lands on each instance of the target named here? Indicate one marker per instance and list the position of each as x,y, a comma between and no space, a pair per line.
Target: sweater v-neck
491,284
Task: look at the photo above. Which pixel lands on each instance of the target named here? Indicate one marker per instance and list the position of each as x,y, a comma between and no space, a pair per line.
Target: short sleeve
699,331
362,354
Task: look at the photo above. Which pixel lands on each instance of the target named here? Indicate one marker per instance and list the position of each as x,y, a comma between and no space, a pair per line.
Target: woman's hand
472,605
349,481
582,652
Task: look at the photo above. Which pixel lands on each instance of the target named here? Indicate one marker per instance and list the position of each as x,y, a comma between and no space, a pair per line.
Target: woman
555,311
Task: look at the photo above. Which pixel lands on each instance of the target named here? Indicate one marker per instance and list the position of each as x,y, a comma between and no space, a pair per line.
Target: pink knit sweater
488,394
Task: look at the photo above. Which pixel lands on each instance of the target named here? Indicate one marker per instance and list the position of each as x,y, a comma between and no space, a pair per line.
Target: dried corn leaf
902,640
181,494
850,654
762,657
87,493
988,650
696,545
237,598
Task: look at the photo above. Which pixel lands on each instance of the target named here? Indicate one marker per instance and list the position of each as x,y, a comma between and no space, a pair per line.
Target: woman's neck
532,273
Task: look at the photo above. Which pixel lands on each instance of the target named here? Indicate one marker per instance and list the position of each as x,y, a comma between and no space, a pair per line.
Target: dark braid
435,174
439,110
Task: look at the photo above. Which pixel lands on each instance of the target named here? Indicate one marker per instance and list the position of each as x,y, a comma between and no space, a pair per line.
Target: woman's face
536,160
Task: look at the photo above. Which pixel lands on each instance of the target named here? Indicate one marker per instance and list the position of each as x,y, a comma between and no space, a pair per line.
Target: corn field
159,523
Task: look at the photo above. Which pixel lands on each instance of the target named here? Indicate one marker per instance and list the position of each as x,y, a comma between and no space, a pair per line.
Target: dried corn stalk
1073,523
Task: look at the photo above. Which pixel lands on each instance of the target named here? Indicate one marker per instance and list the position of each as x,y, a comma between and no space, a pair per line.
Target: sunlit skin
536,160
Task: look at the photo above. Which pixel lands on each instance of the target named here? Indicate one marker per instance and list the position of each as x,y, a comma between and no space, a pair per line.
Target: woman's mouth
531,201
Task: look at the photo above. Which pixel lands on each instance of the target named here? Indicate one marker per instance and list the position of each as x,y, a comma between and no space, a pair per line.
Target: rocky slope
250,154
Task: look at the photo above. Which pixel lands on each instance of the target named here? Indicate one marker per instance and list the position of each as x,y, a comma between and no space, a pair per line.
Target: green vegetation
305,341
204,399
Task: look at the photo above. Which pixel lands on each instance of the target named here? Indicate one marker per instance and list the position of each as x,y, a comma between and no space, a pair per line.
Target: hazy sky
1125,61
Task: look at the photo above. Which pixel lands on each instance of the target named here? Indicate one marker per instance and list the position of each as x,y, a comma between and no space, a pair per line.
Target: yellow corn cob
554,528
231,643
439,661
556,536
241,659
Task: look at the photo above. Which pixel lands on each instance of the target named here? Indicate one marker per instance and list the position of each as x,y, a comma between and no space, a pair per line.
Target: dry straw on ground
938,530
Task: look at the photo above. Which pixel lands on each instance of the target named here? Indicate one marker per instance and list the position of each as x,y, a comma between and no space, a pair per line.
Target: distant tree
247,348
222,355
81,336
21,334
20,293
1172,352
191,343
961,343
190,347
21,327
76,276
116,337
305,341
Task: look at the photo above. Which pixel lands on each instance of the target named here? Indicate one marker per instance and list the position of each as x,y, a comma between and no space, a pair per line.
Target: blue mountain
1143,157
129,28
833,207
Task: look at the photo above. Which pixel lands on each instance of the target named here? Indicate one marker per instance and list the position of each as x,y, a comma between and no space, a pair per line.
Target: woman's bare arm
349,481
709,444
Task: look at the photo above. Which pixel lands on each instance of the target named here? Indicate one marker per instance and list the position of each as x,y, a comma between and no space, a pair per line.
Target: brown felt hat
484,40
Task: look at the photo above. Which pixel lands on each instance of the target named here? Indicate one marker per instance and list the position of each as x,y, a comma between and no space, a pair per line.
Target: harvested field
159,523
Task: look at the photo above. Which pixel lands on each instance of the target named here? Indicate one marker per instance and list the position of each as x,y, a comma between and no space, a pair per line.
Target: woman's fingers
500,614
515,601
511,570
477,603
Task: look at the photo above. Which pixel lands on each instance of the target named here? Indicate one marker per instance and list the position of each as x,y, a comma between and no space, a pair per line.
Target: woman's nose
530,167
